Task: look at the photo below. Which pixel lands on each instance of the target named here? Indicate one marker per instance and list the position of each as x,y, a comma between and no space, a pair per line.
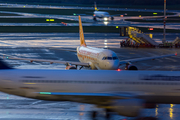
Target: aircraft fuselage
152,86
101,59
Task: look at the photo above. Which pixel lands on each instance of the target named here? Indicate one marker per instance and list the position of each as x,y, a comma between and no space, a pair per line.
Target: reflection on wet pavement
39,46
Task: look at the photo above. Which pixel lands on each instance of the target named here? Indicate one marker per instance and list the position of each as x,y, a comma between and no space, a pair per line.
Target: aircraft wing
82,14
51,61
116,15
145,58
111,94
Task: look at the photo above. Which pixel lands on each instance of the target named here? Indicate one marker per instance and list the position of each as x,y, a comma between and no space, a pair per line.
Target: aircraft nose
113,65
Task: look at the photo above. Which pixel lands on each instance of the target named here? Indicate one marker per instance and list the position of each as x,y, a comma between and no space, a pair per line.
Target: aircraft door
100,62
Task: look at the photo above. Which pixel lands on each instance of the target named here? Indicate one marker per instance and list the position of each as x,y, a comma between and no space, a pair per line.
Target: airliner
123,92
95,58
101,14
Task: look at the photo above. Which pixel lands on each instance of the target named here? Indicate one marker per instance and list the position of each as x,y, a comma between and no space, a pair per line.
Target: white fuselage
101,14
153,86
101,59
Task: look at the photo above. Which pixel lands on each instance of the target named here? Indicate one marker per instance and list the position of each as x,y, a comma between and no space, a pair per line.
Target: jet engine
150,105
128,107
112,18
131,67
94,18
70,67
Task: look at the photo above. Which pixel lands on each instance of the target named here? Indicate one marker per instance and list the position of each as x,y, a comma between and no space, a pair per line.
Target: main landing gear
147,118
94,115
112,18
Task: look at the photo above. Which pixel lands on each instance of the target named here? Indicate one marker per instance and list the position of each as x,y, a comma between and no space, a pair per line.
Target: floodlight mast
164,33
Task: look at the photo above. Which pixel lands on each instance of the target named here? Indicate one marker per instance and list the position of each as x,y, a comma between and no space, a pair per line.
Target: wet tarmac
118,21
104,40
80,7
23,45
45,46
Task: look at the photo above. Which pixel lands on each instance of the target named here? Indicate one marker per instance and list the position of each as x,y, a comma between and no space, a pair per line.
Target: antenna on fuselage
81,34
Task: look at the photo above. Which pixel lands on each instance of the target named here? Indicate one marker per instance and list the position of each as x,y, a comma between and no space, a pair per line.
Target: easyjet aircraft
95,58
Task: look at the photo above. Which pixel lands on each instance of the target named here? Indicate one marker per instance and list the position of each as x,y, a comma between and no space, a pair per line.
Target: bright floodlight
105,19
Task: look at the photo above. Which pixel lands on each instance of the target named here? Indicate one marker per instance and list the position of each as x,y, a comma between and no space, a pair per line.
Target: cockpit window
104,58
115,58
109,58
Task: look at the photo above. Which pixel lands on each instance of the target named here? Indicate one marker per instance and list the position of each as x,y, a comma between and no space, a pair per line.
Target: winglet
81,34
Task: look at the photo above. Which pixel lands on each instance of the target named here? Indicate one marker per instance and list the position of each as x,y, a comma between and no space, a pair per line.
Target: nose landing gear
147,118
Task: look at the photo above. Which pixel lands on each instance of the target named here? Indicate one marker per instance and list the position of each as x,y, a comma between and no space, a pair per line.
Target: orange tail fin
81,34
